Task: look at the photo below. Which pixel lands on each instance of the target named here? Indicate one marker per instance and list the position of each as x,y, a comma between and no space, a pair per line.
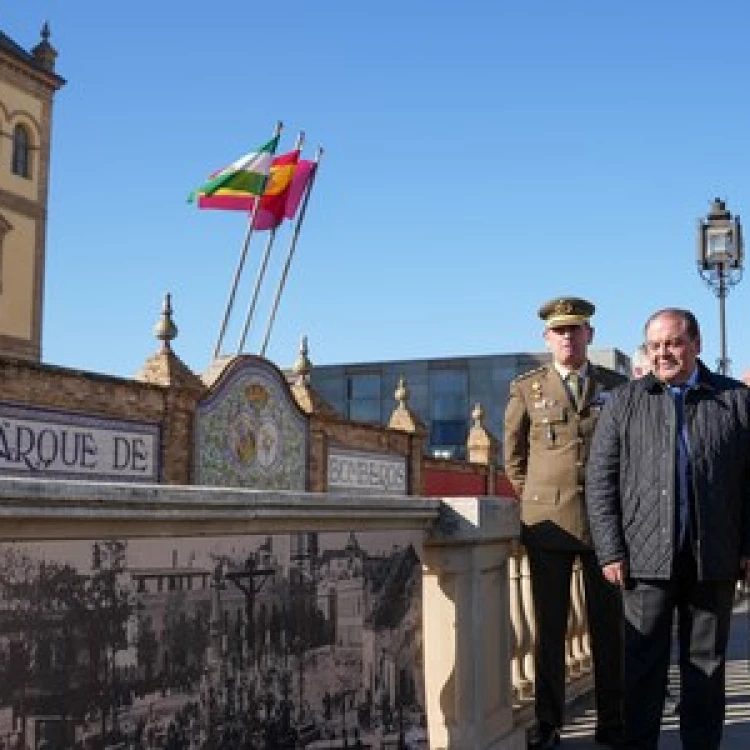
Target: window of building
449,412
363,397
21,163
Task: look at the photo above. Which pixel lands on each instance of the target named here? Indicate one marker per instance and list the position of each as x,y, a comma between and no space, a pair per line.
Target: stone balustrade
578,646
477,615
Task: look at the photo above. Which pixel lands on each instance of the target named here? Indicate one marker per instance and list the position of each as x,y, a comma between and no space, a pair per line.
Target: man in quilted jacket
668,498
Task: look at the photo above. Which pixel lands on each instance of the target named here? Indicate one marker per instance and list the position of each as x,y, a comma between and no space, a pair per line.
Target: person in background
639,363
549,421
668,498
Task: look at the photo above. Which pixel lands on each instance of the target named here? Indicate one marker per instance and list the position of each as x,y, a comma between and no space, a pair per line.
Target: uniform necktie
574,384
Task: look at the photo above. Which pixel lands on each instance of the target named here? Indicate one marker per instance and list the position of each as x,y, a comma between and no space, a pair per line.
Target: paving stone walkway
579,730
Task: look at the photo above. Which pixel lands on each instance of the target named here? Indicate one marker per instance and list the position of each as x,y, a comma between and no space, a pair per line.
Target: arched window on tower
21,164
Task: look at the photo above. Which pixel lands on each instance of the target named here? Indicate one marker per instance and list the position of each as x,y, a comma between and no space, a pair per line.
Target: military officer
549,421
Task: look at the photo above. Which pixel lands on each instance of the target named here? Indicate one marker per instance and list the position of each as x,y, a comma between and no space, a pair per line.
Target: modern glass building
442,391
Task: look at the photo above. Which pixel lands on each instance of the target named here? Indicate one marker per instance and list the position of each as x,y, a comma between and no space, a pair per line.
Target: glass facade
449,411
363,397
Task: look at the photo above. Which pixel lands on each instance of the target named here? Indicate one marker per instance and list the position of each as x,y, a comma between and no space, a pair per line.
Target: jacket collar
705,380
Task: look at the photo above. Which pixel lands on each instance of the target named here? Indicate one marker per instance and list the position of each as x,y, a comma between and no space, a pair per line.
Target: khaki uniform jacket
546,447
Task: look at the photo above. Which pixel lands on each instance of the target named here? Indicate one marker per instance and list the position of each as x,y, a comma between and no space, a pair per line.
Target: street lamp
720,256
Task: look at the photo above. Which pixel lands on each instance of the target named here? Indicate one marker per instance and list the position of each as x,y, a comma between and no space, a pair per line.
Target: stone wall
25,383
166,393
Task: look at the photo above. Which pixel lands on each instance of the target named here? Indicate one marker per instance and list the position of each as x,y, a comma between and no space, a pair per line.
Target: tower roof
36,62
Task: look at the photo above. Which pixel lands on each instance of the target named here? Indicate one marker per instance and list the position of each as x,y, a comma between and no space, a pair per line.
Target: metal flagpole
240,265
258,282
292,246
264,264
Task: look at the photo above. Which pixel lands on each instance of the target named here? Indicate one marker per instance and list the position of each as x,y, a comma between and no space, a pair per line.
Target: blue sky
480,158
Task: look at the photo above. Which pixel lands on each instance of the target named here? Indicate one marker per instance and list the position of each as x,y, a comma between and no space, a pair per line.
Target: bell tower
28,83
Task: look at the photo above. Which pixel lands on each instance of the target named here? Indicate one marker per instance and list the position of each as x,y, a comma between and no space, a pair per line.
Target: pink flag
302,176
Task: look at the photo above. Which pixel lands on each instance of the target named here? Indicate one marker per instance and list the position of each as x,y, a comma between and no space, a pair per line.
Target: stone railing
578,646
477,618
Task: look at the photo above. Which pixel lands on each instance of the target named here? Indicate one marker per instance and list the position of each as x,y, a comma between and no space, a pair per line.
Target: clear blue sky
480,158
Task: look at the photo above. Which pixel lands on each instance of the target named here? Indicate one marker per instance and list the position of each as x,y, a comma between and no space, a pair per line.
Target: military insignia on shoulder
530,374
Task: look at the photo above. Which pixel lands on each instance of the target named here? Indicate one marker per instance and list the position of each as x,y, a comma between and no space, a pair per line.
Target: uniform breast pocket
547,424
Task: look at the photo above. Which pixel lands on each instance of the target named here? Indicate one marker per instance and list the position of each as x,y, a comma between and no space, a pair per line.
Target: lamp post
720,257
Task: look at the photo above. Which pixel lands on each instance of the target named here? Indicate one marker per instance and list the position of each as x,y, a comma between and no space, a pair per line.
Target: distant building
442,391
28,83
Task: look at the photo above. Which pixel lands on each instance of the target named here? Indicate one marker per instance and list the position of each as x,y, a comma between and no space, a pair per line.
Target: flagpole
240,264
264,264
258,282
290,254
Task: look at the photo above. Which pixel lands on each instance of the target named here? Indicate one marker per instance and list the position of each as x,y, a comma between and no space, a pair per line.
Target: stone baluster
572,670
527,607
521,644
578,611
586,662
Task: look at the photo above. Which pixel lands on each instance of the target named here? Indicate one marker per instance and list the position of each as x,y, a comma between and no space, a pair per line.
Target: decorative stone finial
165,330
44,53
481,444
165,367
302,366
403,418
402,393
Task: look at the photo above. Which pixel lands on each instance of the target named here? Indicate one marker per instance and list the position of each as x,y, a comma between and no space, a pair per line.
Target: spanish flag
286,184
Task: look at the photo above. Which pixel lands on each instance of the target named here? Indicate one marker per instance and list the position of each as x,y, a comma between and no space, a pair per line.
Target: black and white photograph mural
286,641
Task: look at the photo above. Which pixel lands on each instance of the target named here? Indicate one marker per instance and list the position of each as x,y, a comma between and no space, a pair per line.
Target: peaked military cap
566,311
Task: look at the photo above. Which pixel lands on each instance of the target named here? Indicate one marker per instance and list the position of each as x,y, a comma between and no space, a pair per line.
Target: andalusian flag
287,181
274,195
247,176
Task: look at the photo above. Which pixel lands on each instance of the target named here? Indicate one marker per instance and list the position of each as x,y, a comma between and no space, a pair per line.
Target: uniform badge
563,307
536,394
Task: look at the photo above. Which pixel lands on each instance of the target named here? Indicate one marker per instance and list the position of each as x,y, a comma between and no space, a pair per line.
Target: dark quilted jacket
630,477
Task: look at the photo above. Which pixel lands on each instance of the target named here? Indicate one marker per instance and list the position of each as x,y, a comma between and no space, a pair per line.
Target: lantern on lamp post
720,258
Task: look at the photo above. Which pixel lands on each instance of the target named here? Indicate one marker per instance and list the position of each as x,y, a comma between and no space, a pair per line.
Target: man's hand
616,572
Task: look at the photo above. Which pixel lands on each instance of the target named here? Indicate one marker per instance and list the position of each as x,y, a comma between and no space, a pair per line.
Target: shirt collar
689,383
563,371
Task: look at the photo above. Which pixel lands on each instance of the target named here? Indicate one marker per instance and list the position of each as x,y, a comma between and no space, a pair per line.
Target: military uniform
547,438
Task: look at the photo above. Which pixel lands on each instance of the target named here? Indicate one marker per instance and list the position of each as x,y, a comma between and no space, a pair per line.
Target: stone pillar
481,446
182,389
467,626
406,420
319,411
